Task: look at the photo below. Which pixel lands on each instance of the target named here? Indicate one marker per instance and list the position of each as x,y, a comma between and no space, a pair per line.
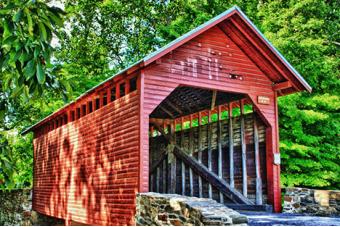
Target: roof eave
302,81
139,63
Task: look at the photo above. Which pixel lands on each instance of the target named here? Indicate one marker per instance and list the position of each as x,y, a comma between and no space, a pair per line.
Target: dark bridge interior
209,144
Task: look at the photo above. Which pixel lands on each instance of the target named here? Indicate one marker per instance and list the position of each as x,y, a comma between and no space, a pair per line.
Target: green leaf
43,33
29,69
56,19
29,21
16,56
9,41
36,52
7,29
7,9
40,73
16,91
25,57
17,16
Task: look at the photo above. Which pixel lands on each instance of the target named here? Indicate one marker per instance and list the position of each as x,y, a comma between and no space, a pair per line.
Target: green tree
307,33
26,32
26,72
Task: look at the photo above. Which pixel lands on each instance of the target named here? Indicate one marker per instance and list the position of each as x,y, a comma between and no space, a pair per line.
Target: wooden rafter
213,99
167,111
282,85
173,106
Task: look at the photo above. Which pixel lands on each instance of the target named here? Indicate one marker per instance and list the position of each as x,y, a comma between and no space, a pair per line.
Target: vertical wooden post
118,90
87,106
151,182
257,163
209,149
69,115
143,142
157,179
164,176
231,146
219,146
127,86
101,99
182,163
94,104
108,96
164,164
191,149
200,187
173,162
269,115
168,168
244,151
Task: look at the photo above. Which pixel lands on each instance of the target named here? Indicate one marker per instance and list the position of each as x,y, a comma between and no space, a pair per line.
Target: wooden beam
173,162
151,181
127,86
158,162
213,99
101,100
231,146
191,150
157,179
219,146
167,112
282,85
244,151
164,176
93,105
200,137
257,163
182,163
212,178
174,107
160,121
209,150
117,90
108,97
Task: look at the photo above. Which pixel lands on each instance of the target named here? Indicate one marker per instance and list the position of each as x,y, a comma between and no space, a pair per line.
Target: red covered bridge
197,117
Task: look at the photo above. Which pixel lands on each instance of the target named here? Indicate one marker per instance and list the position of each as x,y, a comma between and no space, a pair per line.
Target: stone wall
16,209
312,202
172,209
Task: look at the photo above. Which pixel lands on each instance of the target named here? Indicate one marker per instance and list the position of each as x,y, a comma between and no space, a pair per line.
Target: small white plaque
261,99
277,159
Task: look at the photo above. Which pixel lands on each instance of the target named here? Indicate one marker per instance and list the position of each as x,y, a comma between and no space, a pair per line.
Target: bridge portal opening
209,144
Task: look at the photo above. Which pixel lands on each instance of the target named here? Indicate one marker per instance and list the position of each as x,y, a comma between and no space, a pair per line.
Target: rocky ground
269,219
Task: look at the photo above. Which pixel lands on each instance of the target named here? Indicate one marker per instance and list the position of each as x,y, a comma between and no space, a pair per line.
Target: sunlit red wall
87,170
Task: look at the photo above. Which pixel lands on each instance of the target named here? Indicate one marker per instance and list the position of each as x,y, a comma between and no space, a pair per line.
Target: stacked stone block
312,202
16,209
173,209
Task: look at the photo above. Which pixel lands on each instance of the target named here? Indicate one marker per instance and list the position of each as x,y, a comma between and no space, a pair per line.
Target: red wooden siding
87,170
207,61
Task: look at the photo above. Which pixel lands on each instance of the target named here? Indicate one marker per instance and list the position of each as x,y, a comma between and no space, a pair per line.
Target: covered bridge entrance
211,144
197,117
